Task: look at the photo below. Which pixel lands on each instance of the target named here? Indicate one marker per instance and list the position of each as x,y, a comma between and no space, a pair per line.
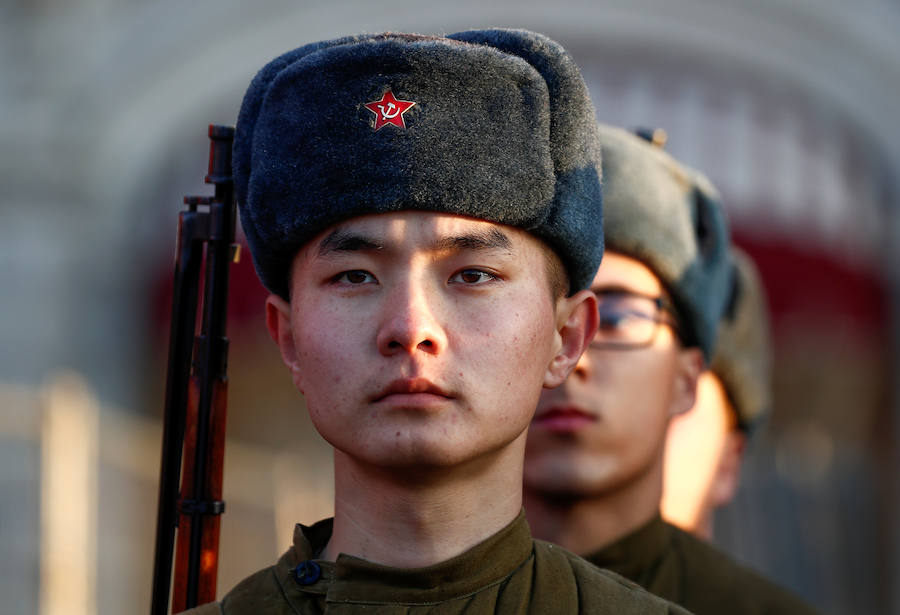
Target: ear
278,322
576,325
728,471
690,365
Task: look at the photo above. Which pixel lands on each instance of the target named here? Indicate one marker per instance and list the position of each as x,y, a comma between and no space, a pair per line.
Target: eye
622,314
472,277
355,277
611,320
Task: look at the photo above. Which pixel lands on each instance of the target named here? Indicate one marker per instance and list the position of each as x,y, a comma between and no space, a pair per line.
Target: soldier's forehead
422,230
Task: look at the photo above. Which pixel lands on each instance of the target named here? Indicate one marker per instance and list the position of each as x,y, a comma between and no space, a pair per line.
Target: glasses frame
665,315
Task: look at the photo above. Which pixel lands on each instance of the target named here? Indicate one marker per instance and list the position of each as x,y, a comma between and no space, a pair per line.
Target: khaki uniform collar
637,551
354,580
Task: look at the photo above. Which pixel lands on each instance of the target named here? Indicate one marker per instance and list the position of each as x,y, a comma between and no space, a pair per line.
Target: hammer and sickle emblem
389,110
386,114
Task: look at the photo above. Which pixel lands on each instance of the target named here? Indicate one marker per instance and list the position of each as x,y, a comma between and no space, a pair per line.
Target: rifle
196,387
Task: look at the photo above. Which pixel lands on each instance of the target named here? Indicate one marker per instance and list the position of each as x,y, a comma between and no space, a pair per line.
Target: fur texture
669,217
743,356
502,130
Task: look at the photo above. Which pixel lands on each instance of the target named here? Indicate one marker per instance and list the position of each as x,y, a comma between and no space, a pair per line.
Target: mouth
564,419
412,392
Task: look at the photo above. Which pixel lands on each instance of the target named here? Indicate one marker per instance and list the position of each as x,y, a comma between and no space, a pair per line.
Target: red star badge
389,110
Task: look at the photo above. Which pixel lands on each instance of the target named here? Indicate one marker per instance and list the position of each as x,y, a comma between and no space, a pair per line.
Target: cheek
525,354
634,393
649,379
521,335
503,349
652,398
323,340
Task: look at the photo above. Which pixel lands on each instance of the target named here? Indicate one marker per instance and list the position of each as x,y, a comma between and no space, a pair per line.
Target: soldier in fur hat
594,458
424,212
705,446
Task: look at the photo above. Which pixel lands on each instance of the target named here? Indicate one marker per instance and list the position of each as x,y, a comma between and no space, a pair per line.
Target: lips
564,419
411,390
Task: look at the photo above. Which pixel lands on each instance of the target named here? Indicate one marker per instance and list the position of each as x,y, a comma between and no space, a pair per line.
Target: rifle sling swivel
201,507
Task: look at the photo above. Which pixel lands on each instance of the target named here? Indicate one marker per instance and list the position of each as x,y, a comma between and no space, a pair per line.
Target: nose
411,324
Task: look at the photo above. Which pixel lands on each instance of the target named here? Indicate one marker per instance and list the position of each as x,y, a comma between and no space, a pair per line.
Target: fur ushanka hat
669,217
491,124
743,356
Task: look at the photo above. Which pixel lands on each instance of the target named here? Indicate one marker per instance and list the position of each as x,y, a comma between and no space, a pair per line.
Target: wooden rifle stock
196,393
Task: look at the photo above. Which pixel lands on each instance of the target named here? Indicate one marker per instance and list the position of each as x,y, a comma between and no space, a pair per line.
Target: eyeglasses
630,320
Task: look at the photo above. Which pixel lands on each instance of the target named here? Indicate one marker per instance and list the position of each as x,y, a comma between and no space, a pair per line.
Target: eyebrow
615,289
342,240
618,289
488,239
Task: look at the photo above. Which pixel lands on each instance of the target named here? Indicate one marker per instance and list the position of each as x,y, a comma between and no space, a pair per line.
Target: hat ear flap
734,297
712,237
707,218
712,244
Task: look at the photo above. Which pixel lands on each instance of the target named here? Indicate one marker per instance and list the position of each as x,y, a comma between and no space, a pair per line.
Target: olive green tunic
508,573
689,571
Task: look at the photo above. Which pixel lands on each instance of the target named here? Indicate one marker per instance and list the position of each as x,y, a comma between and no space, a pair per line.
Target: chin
570,476
410,452
559,488
424,467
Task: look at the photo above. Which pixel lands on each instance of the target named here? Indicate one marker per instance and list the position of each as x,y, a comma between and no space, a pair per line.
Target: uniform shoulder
600,591
260,593
210,608
713,575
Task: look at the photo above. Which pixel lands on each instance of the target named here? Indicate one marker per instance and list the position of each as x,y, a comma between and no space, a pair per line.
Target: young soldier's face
605,427
422,339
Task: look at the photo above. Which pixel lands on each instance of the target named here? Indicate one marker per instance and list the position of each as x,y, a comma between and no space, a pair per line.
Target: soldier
705,446
594,459
422,210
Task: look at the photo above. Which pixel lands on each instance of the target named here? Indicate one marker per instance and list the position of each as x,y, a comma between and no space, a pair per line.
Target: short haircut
557,275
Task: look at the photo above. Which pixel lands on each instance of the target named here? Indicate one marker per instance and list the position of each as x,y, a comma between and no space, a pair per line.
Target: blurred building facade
788,106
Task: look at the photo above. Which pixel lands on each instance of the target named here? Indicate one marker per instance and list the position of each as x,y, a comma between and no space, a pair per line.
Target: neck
703,526
413,518
586,523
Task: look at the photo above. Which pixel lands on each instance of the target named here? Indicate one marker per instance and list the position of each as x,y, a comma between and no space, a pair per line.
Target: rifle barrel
196,400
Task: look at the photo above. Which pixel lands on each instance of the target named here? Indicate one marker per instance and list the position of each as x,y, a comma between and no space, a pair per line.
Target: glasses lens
626,320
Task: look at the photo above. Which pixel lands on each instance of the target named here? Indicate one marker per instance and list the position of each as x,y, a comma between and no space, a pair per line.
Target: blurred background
789,106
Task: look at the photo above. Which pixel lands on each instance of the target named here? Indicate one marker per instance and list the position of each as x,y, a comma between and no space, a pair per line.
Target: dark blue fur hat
670,218
501,129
